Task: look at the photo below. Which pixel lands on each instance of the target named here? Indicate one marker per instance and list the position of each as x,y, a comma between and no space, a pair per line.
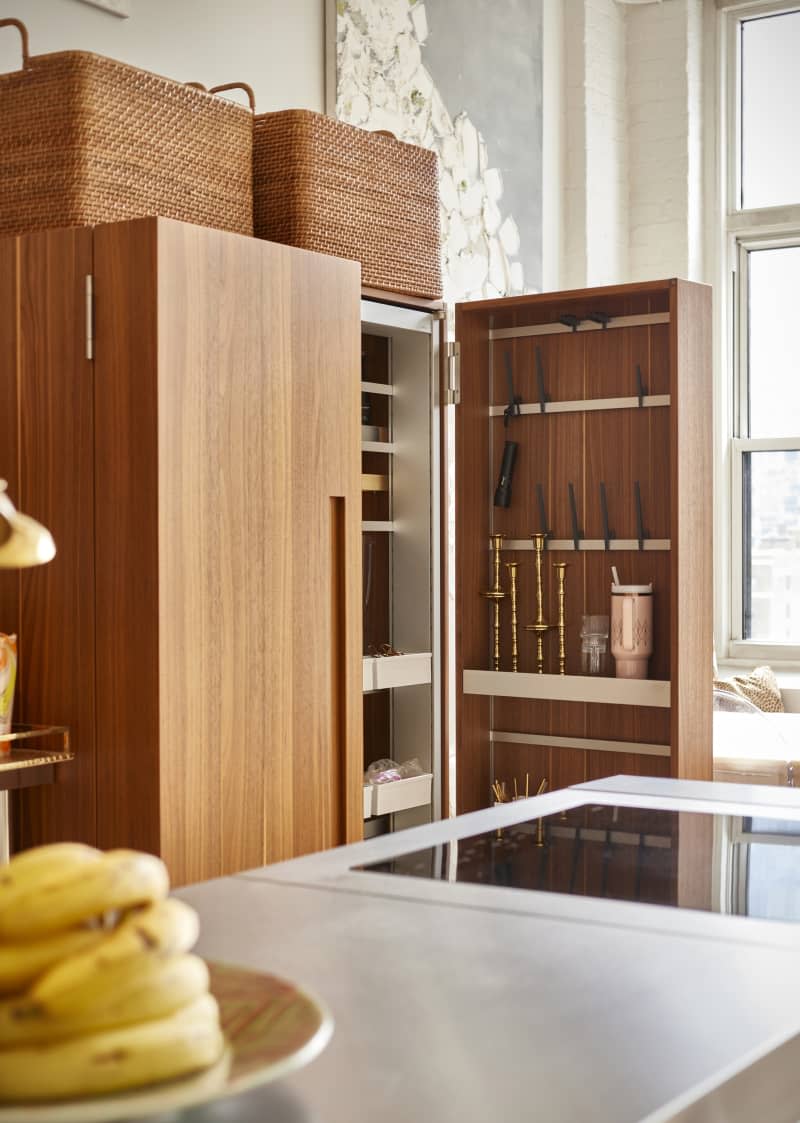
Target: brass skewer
512,574
561,569
540,824
496,595
539,627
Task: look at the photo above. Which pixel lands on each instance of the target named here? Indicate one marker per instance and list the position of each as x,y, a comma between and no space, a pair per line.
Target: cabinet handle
89,316
338,586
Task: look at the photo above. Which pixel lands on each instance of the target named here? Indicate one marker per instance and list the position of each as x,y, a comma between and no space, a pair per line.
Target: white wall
596,190
665,139
277,46
622,176
634,172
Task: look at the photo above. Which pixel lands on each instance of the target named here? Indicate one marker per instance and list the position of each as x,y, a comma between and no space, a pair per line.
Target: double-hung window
763,240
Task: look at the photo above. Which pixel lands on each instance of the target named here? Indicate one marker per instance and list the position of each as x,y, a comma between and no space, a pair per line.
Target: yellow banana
164,928
123,992
37,869
20,964
119,879
185,1042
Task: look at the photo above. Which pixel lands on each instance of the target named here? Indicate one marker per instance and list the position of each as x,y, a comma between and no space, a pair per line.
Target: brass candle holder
496,594
512,576
561,571
539,627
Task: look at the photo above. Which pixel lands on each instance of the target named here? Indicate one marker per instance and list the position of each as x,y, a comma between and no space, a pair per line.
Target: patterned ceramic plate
272,1029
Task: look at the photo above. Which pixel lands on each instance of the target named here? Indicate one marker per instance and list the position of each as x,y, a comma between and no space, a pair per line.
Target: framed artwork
463,77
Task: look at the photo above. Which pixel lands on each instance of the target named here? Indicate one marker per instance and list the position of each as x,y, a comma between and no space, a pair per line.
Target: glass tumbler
594,645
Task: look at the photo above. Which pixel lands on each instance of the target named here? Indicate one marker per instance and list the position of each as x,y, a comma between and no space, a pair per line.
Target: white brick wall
664,46
634,157
595,240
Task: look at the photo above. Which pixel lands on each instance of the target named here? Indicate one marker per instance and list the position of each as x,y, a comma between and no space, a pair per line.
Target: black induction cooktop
717,863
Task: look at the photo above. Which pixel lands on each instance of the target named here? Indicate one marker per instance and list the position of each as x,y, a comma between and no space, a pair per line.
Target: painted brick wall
633,164
664,103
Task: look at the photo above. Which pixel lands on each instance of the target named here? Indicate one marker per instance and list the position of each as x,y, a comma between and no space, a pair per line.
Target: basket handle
22,29
384,132
197,86
251,97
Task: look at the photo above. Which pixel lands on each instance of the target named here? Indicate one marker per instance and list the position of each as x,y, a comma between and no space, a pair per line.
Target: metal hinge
89,316
453,374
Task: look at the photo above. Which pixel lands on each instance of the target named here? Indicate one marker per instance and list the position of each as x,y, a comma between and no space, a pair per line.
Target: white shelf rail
569,688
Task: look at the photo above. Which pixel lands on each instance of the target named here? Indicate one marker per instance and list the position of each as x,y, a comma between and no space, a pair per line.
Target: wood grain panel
9,428
326,334
475,492
126,550
261,601
692,522
56,486
620,448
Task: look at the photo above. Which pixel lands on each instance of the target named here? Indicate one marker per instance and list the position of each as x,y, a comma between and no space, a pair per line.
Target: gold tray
272,1028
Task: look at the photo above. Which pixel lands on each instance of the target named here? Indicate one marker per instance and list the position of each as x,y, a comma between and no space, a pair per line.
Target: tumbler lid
642,590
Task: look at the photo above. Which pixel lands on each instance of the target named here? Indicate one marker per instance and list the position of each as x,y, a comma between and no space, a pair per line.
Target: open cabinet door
607,396
403,558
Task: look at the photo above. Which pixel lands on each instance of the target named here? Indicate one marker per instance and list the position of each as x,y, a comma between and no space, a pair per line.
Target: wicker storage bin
323,185
86,139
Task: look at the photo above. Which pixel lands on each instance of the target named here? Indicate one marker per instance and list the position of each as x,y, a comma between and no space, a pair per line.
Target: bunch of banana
98,991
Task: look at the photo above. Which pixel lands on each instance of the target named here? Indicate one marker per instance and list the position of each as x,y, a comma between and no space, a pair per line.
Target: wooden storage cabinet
401,558
593,429
199,630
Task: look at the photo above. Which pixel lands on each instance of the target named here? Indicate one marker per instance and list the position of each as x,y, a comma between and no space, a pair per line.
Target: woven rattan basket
86,139
323,185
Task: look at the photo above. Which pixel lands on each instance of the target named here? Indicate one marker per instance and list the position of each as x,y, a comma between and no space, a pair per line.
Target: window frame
744,231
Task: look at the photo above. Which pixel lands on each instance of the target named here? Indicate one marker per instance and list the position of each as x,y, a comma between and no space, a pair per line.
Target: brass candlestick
512,576
561,570
496,595
540,627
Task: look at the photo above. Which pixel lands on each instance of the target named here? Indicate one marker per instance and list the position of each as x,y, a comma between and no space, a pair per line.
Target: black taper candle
502,496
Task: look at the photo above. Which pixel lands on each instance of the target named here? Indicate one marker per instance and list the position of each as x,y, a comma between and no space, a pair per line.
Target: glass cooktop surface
719,863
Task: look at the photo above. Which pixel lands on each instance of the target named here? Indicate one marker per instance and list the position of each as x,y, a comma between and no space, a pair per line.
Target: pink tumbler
632,629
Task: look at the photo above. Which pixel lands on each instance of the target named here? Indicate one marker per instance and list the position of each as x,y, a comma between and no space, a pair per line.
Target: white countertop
467,1002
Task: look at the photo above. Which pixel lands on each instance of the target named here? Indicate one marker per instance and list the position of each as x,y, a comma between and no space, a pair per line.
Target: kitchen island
571,957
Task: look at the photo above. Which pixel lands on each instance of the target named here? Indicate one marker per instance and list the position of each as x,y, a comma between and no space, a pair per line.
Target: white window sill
788,677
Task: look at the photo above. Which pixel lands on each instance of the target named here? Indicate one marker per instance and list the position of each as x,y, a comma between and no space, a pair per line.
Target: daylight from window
773,476
770,88
770,416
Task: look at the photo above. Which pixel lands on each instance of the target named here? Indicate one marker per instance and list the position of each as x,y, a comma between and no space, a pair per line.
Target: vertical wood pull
338,586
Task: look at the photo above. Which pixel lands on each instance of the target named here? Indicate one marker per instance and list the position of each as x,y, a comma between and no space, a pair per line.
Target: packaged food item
8,678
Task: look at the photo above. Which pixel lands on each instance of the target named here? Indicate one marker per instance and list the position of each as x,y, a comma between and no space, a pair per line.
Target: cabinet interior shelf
644,319
586,405
372,482
25,746
569,688
398,795
377,388
377,446
391,671
586,744
585,545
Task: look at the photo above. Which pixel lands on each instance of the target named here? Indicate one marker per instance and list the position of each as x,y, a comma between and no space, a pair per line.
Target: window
763,235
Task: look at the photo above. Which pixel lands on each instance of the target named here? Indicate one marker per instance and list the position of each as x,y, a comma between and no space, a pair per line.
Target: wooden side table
27,763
